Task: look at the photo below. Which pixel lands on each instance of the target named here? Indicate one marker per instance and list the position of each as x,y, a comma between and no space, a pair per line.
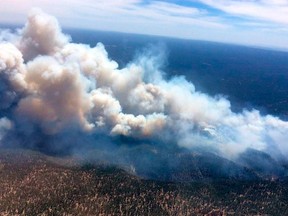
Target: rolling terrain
36,184
131,127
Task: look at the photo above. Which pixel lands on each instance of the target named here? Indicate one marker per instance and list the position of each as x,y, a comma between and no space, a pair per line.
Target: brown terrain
35,184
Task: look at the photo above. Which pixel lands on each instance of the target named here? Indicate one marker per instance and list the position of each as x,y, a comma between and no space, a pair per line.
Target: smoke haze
58,93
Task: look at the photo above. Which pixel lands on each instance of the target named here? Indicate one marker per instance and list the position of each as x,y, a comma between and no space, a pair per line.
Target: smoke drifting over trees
52,89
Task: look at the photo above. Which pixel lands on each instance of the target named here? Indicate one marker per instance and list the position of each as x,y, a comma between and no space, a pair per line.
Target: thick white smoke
59,85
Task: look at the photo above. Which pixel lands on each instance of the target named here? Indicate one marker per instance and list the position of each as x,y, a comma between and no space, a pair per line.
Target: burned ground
36,184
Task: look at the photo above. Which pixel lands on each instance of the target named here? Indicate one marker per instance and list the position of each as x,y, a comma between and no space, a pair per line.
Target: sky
248,22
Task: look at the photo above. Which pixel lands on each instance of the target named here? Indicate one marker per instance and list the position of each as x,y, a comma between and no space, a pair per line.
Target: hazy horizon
262,23
14,26
68,92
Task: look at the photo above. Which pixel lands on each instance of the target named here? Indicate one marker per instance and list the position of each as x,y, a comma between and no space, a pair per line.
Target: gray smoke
51,86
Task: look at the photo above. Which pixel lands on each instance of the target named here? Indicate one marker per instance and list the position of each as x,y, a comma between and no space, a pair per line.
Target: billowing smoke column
51,85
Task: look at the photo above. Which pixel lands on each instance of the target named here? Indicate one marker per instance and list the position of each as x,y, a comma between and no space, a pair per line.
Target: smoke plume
53,87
